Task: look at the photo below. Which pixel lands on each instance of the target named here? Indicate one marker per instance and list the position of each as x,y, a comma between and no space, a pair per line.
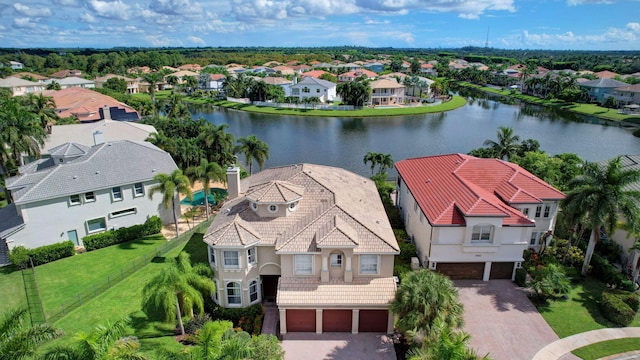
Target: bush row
111,237
20,255
602,269
617,307
246,318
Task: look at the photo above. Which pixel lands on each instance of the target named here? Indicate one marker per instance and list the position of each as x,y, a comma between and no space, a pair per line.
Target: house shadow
504,295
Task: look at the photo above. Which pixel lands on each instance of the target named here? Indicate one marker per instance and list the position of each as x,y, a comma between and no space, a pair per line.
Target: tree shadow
504,295
146,327
589,298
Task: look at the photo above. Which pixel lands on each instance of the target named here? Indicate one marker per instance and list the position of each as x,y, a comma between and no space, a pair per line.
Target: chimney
106,112
233,182
98,137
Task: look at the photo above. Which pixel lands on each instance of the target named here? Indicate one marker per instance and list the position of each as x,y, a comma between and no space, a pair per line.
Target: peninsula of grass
454,103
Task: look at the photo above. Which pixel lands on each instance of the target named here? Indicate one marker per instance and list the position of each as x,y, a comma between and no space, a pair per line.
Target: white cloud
376,22
634,26
88,18
624,37
110,9
196,40
66,2
175,7
23,22
34,12
406,37
583,2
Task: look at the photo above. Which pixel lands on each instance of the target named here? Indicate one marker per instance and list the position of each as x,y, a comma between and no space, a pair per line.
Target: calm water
343,142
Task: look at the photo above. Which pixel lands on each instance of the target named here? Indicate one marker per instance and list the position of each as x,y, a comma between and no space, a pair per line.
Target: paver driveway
337,346
502,321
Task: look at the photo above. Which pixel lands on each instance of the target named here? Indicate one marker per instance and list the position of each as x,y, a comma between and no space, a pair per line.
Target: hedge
521,277
602,269
20,255
111,237
628,297
616,310
241,317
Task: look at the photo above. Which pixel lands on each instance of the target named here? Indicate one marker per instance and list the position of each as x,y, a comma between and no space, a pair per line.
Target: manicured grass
579,313
12,295
606,348
455,103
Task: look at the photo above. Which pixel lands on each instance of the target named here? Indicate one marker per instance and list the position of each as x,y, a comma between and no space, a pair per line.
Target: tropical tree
217,143
45,109
449,344
424,302
206,172
175,108
19,341
371,157
152,79
253,149
549,281
179,287
354,92
507,145
385,161
168,185
102,343
600,197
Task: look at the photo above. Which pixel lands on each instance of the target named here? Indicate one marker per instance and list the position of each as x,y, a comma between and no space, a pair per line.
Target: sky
506,24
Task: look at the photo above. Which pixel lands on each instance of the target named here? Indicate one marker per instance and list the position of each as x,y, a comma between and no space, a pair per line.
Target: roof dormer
274,198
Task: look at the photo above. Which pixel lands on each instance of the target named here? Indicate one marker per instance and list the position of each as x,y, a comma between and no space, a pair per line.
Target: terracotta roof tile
362,291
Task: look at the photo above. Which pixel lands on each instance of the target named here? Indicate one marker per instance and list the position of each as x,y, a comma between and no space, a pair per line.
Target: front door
73,236
270,287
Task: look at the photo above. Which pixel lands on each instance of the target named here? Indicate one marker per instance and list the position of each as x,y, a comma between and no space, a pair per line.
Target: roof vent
377,221
428,181
153,170
75,176
97,172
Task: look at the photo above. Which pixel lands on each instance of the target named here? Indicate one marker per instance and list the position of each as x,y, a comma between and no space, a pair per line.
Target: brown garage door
501,270
373,321
301,320
461,271
336,320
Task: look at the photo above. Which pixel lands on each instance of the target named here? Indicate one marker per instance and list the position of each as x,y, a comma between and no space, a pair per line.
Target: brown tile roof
83,103
273,80
28,74
606,74
315,73
385,84
275,192
65,73
295,291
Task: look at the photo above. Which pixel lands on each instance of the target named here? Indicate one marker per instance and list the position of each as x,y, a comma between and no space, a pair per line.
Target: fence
117,276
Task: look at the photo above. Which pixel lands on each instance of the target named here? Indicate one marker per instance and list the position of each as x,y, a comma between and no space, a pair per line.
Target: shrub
41,255
99,241
407,251
19,256
195,323
399,269
111,237
242,317
616,310
603,270
628,297
521,277
131,233
154,225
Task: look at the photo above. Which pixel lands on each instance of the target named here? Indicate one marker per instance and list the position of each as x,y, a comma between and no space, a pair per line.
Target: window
138,189
216,297
254,206
95,225
368,264
534,238
293,206
303,264
74,200
123,212
253,291
116,194
251,256
317,91
212,253
306,90
481,233
538,210
336,260
89,197
231,259
525,211
234,294
547,210
273,208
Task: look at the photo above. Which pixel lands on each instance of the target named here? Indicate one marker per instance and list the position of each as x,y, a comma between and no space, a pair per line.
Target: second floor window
368,264
251,256
336,260
231,259
116,193
89,197
303,264
482,233
547,210
138,189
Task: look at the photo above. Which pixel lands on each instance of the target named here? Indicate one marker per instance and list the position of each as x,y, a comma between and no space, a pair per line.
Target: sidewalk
558,348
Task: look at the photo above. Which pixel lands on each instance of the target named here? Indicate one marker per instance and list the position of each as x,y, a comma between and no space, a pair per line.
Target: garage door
501,270
336,320
373,321
461,271
301,320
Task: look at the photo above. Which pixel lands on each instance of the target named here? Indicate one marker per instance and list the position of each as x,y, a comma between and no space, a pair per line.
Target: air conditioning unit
415,263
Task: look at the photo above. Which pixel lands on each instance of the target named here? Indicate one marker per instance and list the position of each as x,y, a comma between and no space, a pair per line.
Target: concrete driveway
337,346
502,321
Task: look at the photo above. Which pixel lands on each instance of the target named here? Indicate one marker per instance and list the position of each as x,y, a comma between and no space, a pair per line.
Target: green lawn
12,294
579,314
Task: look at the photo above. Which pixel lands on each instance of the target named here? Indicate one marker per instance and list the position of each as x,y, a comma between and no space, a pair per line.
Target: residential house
428,69
376,67
284,70
599,90
284,83
472,218
88,105
20,86
301,68
30,76
182,75
65,73
133,85
82,190
315,73
190,67
606,74
386,92
214,82
357,74
627,95
312,87
621,236
15,65
315,239
73,81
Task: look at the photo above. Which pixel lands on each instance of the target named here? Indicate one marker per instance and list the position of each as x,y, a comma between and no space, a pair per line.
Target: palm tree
371,157
507,144
17,341
206,172
602,196
425,300
177,288
168,185
218,143
20,133
253,149
386,162
103,342
152,79
45,108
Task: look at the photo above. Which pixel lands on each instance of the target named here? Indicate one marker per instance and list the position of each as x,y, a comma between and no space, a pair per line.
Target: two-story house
81,190
386,92
132,84
20,87
472,218
599,90
310,87
313,238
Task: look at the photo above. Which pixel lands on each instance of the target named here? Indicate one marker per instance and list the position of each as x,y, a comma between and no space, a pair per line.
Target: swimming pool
198,197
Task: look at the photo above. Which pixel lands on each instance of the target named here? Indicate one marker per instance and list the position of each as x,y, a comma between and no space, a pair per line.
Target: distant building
88,105
20,86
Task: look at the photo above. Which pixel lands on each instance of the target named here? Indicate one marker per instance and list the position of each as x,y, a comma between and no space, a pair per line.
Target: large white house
472,218
315,239
83,190
311,87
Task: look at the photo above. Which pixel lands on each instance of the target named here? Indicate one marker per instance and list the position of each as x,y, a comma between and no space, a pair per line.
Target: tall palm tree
449,344
18,341
152,79
45,108
425,300
20,133
601,197
168,185
206,172
177,288
104,342
218,143
371,157
507,144
253,149
386,162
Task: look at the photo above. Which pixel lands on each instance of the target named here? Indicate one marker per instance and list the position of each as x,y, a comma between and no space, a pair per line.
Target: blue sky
511,24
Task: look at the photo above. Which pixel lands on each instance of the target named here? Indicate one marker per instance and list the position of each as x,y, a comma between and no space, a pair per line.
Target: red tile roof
85,104
315,73
450,187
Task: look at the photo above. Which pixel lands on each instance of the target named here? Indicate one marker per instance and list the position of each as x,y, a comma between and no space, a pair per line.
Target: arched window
482,233
253,291
234,293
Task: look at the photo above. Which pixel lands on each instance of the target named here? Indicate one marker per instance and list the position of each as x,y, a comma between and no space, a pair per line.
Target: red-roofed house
472,218
315,73
88,105
606,74
356,74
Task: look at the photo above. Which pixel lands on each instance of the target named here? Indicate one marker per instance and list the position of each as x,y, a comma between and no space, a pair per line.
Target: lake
343,142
